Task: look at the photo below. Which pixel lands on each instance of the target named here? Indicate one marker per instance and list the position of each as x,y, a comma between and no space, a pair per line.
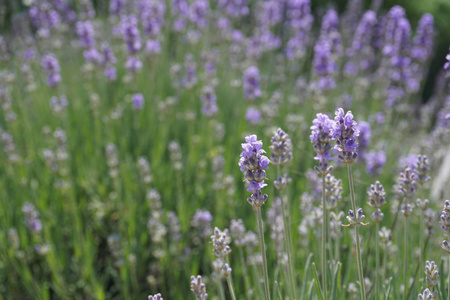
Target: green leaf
319,291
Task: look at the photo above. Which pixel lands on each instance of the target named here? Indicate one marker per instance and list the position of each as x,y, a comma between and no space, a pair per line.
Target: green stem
448,290
221,292
405,257
287,239
358,248
244,271
377,260
230,287
263,251
324,242
422,230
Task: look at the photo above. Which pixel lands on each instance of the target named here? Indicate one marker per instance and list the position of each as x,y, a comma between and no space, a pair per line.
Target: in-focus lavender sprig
345,132
253,163
321,136
198,287
155,297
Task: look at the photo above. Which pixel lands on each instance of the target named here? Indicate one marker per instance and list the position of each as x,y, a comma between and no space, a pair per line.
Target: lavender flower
253,115
353,219
422,169
375,161
324,66
363,139
155,297
85,32
281,148
300,22
447,63
432,274
198,287
190,67
32,218
234,8
202,222
252,163
209,108
333,191
423,41
50,65
321,136
251,83
361,53
198,12
345,132
428,295
221,241
137,101
145,173
115,247
406,184
116,7
237,231
329,32
376,195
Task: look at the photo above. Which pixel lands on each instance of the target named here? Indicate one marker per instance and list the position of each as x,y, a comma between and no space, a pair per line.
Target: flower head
345,132
253,163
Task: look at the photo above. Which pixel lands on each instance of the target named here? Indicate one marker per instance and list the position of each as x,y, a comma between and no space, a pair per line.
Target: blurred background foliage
440,9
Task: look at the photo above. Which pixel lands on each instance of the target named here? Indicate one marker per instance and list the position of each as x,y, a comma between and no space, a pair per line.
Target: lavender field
222,149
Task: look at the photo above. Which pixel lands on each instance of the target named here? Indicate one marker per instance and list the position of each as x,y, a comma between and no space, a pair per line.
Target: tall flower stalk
281,148
422,167
221,240
377,195
445,226
321,136
345,133
253,163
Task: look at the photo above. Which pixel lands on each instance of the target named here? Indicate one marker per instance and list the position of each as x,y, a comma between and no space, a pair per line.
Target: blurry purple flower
251,83
234,8
321,136
153,47
50,65
253,115
447,64
202,222
133,64
324,66
116,7
198,13
110,73
85,32
137,101
375,161
363,138
423,41
209,99
130,33
32,218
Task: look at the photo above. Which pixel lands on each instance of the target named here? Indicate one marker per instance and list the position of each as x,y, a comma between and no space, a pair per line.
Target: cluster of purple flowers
321,136
50,65
209,99
251,83
253,163
300,20
132,39
361,53
345,132
32,218
85,33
